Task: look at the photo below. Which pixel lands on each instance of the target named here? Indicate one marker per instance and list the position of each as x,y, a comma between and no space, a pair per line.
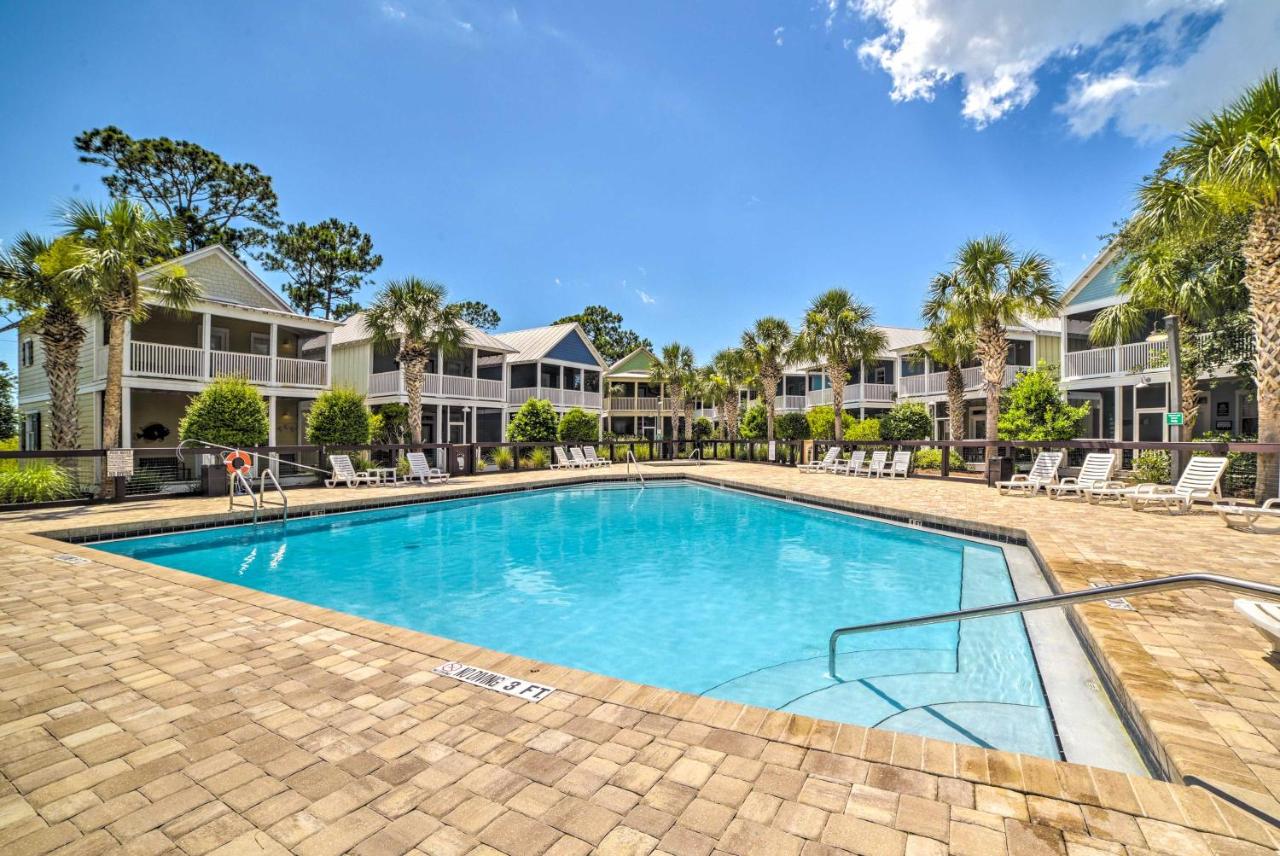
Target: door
942,428
220,339
260,344
978,424
1151,427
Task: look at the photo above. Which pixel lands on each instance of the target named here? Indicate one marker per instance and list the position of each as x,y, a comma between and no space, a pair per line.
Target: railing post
946,461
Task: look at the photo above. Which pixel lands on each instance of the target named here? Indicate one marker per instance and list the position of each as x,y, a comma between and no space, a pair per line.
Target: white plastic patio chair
1243,517
1044,472
594,459
851,466
562,461
825,464
900,465
1095,472
875,467
421,470
579,459
345,472
1263,615
1200,480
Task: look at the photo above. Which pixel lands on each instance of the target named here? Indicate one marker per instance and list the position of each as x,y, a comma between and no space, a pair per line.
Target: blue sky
692,166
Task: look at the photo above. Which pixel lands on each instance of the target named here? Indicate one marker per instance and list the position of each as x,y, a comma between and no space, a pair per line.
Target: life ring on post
238,462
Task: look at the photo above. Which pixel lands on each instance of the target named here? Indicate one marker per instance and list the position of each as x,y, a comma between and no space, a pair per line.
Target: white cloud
394,12
777,35
1146,65
645,297
558,282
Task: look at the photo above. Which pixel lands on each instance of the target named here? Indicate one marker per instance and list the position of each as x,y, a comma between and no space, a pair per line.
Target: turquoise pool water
680,586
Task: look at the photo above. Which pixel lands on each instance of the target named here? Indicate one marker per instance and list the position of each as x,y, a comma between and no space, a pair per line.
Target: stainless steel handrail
631,459
238,477
262,491
1052,600
255,455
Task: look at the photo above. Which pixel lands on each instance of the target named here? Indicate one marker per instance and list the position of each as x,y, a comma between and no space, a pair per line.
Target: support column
206,344
475,412
271,355
271,410
127,346
126,413
1118,402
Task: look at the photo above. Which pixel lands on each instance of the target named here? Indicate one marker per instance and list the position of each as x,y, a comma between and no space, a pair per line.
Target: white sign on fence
494,681
119,463
773,450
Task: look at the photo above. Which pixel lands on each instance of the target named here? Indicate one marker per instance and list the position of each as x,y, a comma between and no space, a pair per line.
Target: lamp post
1175,388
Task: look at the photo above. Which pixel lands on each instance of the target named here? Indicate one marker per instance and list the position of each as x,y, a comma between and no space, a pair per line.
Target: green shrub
534,422
402,468
502,458
229,412
754,422
1035,408
537,459
339,418
908,420
362,462
38,481
863,429
791,426
578,426
1151,466
931,459
822,418
390,424
641,451
703,428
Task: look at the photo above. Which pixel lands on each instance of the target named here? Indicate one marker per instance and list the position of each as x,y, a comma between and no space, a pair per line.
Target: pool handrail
1176,581
631,459
262,491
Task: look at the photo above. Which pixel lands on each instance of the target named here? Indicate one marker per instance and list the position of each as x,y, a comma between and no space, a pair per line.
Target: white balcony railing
1144,356
935,383
819,397
558,397
174,361
255,367
439,386
386,383
490,389
879,392
788,403
296,372
635,405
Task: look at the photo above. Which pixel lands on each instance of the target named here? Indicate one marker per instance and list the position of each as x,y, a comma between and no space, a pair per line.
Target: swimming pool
679,585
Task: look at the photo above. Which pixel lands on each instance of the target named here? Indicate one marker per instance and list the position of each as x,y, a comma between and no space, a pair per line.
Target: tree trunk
955,403
1262,278
688,419
113,403
413,392
993,350
1190,409
837,374
61,335
769,386
731,415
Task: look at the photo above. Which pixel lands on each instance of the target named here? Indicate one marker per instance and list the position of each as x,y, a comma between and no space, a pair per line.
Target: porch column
1118,398
271,405
271,364
126,413
206,343
475,412
439,419
328,356
128,346
537,368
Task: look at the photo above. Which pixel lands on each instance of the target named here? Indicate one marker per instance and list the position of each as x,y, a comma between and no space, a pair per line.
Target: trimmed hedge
229,412
578,426
339,418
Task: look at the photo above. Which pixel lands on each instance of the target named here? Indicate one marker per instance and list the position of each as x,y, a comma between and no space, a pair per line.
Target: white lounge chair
1200,480
594,459
1244,517
850,466
1263,615
875,467
828,461
1096,472
422,471
562,461
1044,472
899,466
345,472
580,459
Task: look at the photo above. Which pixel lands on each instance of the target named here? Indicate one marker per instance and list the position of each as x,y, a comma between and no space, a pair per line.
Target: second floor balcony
935,383
854,393
437,386
1137,357
558,397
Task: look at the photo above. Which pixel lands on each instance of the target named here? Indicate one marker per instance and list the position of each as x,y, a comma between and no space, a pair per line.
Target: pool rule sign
119,463
517,687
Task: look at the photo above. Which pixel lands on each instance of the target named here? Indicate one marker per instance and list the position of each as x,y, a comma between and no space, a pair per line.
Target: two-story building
557,363
463,394
1127,382
238,326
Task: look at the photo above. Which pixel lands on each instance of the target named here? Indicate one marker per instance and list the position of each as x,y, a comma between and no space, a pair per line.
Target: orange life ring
238,462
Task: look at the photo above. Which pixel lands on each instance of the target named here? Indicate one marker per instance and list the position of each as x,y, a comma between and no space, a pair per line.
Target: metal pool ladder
631,459
262,491
1178,581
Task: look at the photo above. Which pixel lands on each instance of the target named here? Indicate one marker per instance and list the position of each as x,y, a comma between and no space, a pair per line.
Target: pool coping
1030,774
1151,754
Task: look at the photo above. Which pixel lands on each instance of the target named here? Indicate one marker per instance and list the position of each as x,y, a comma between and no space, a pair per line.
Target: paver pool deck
147,710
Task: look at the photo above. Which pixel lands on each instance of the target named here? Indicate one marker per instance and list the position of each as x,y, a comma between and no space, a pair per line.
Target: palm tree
990,286
950,346
840,331
31,281
766,345
416,314
1196,278
1230,163
730,373
673,369
116,243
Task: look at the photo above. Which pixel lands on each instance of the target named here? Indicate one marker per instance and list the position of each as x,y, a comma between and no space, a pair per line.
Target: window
220,339
260,344
1019,352
27,356
31,432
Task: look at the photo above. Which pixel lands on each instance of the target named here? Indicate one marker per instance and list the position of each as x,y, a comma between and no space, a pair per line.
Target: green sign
1173,419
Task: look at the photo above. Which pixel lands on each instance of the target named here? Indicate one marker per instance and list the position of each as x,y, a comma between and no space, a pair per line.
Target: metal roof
534,343
355,330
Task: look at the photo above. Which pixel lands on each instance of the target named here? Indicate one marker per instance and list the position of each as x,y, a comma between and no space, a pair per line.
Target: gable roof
222,254
355,330
630,365
536,342
1096,282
